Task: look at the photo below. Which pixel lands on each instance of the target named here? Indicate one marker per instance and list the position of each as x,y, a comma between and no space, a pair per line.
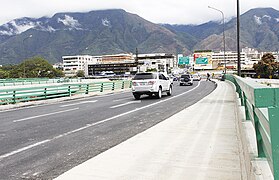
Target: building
118,63
117,58
126,63
203,60
160,61
72,64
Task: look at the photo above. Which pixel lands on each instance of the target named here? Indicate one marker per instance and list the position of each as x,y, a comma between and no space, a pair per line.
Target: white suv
151,83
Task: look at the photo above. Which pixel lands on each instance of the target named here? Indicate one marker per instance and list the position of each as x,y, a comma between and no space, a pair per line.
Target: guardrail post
113,84
258,135
69,90
45,92
14,97
87,89
273,114
102,87
244,99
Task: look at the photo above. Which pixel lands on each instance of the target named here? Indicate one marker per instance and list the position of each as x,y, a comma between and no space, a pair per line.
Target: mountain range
117,31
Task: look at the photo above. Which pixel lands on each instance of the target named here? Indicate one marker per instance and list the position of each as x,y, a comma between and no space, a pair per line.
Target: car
151,83
196,77
186,79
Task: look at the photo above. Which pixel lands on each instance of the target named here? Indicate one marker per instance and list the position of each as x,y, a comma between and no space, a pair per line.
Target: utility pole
238,44
136,60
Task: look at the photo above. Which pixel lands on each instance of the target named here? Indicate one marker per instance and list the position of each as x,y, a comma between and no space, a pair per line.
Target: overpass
233,133
230,134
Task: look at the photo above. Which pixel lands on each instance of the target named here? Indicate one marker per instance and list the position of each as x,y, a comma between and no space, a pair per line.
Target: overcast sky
156,11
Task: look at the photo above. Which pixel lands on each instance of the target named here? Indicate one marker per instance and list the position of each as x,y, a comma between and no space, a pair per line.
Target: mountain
259,28
117,31
95,32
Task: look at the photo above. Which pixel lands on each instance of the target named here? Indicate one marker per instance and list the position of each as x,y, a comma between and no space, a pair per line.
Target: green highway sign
202,60
184,60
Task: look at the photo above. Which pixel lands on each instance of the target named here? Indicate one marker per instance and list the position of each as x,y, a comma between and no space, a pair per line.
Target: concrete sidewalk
199,142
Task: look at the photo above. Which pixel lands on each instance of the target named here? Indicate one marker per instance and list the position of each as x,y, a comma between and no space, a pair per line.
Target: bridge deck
200,142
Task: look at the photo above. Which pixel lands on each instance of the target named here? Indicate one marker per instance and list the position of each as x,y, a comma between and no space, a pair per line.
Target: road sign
202,60
184,60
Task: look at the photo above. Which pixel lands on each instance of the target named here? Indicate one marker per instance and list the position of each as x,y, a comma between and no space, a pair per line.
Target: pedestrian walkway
197,143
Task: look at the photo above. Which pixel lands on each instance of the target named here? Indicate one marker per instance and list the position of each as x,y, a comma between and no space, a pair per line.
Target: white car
151,83
196,77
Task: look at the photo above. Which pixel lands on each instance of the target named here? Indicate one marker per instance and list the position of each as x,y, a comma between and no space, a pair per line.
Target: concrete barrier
254,168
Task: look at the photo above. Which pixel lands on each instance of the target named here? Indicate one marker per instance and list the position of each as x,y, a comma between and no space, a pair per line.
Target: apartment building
72,64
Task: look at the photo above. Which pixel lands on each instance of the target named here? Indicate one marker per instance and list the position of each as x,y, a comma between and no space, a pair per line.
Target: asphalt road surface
42,142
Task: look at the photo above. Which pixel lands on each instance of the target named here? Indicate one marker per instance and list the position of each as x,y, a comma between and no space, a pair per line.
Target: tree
267,67
3,74
38,67
80,73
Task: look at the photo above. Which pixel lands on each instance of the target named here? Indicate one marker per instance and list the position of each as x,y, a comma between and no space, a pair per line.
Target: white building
159,61
72,64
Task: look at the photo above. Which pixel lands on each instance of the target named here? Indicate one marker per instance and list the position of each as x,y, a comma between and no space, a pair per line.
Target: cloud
69,21
157,11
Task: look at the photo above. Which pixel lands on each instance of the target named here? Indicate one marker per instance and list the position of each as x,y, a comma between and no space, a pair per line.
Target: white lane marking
90,125
42,115
60,102
23,149
77,103
124,104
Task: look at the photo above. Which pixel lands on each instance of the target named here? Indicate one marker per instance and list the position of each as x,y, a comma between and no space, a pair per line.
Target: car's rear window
185,76
145,76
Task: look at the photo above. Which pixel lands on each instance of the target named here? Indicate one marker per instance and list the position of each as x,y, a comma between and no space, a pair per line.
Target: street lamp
224,44
238,46
23,42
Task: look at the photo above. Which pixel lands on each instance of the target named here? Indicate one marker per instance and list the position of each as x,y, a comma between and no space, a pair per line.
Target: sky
156,11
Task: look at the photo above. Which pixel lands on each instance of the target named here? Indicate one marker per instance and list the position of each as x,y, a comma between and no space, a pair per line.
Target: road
42,142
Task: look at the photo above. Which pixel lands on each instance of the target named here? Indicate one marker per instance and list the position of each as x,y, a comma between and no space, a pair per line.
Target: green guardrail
31,81
261,105
12,96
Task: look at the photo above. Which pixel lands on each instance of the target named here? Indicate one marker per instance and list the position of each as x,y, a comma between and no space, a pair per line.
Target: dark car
186,79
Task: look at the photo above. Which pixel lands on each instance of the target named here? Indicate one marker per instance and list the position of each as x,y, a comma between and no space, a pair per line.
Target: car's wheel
180,84
169,91
137,96
159,93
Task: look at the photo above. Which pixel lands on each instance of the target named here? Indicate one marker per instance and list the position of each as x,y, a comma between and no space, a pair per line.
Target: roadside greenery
35,67
267,67
80,73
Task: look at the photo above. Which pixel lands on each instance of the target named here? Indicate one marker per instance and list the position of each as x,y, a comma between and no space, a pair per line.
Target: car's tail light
134,84
151,82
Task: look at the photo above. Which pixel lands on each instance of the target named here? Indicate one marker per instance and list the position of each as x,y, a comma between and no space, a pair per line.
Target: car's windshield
145,76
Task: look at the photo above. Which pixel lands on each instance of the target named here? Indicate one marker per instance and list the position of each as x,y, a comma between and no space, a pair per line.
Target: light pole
224,42
238,46
137,60
23,42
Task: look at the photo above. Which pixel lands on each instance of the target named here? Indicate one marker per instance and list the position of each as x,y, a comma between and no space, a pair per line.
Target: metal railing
31,81
261,105
12,96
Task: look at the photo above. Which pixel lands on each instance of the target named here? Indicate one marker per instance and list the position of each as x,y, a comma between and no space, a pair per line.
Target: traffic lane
26,131
23,112
60,155
31,131
26,138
